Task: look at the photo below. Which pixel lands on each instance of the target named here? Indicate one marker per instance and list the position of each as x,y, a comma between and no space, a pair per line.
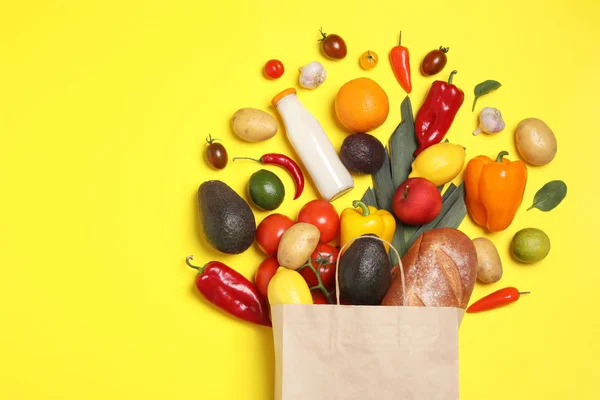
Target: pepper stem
524,292
452,76
400,39
500,155
364,209
187,261
246,158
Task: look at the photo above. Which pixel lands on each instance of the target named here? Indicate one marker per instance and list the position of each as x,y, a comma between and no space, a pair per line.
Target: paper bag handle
337,266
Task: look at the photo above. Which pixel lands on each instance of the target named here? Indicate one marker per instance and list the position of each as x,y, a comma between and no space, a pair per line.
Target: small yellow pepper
363,219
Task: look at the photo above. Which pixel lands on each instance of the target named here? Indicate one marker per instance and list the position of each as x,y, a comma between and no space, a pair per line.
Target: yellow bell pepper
363,219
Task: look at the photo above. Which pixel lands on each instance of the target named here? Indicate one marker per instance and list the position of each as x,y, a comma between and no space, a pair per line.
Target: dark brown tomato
434,61
333,46
216,155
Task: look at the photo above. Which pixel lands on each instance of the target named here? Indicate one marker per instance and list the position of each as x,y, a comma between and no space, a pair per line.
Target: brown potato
297,244
253,125
535,141
489,265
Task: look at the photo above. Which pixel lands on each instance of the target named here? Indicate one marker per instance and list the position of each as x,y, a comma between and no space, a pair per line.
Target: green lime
530,245
266,190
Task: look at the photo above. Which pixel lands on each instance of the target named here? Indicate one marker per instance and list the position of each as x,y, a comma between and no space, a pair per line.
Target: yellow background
104,108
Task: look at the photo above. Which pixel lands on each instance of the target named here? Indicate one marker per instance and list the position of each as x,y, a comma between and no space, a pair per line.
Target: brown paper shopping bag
328,352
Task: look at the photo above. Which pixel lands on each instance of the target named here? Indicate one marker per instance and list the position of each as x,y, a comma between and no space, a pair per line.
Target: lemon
530,245
439,163
288,287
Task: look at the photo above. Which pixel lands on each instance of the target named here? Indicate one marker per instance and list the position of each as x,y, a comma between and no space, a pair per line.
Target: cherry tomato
264,273
274,69
323,259
216,155
333,46
319,297
270,230
368,60
434,61
323,215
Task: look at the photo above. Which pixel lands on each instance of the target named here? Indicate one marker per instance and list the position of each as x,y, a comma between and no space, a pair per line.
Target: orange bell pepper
494,190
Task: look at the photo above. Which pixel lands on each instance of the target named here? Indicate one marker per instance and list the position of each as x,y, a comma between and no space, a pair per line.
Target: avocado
365,272
362,153
226,218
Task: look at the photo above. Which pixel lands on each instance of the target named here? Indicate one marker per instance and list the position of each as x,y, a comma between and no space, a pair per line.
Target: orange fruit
361,105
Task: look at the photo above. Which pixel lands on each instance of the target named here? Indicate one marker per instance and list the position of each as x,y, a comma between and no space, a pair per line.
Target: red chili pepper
437,113
231,291
285,162
497,299
401,65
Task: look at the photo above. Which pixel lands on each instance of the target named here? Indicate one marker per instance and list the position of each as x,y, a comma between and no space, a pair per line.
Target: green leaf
369,198
398,242
383,184
403,144
457,213
549,196
484,88
453,196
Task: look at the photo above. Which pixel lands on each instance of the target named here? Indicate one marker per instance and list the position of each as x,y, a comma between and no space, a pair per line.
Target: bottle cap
283,94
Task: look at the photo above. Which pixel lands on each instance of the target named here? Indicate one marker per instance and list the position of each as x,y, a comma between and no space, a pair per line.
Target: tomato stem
320,285
210,139
444,49
322,34
199,269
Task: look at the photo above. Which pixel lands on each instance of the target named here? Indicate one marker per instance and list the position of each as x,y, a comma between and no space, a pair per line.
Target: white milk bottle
311,144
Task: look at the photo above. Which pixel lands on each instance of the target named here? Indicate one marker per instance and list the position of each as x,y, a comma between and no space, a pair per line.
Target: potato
535,141
297,244
253,125
489,265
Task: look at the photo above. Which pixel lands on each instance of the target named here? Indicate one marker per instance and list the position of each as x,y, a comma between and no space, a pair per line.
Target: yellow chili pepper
363,219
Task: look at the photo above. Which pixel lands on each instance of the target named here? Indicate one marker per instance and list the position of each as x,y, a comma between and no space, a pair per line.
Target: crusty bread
440,270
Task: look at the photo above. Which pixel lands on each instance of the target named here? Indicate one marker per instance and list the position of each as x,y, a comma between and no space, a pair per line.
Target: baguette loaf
440,270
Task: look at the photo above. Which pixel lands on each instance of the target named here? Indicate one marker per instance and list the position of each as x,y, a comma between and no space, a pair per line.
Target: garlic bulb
312,75
490,121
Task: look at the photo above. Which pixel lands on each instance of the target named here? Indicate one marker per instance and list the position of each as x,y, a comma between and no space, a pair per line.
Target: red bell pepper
231,291
437,113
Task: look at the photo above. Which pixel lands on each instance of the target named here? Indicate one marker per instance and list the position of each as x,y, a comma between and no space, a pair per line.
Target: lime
266,190
530,245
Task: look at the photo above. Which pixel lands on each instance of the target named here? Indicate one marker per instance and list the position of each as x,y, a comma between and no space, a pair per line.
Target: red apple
417,201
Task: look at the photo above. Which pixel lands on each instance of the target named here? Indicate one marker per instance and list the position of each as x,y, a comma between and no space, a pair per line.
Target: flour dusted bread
440,269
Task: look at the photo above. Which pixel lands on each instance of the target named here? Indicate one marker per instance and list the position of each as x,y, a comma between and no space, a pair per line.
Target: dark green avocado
226,218
365,272
362,153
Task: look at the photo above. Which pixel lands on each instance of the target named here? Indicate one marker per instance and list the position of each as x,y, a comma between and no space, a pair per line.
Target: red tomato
270,230
319,297
323,259
274,69
323,215
264,273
